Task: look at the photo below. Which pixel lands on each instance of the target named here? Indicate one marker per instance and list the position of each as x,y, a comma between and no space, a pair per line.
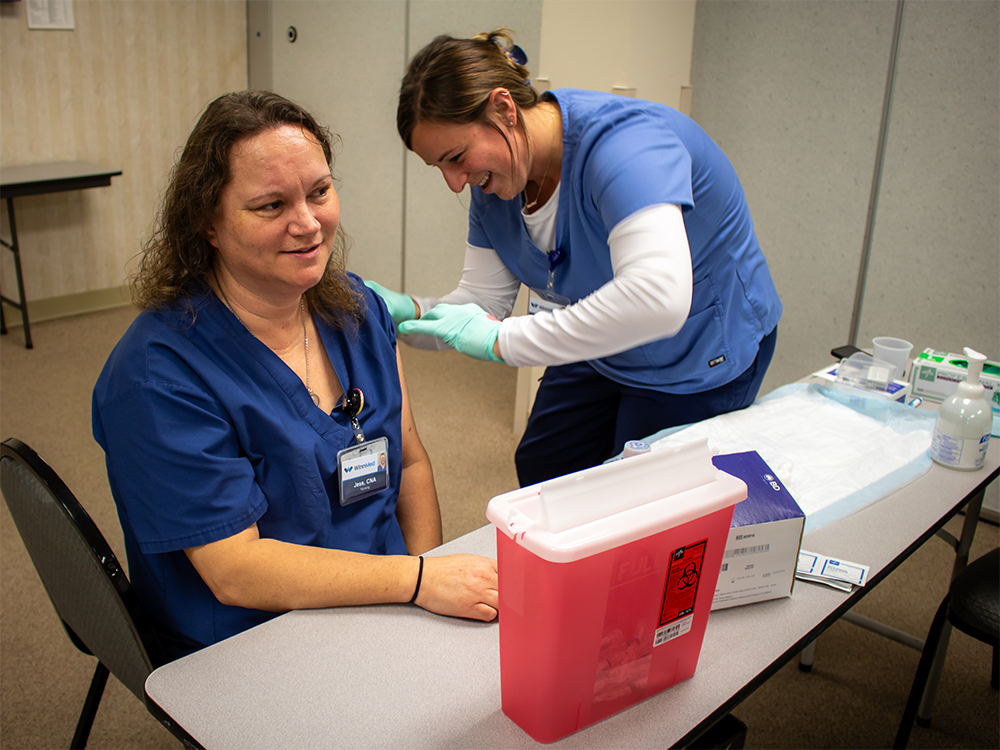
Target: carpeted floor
853,697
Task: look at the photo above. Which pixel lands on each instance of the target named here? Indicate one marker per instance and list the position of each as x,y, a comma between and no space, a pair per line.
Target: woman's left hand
460,586
467,328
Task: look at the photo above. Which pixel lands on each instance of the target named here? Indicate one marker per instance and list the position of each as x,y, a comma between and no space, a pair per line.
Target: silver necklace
305,339
548,162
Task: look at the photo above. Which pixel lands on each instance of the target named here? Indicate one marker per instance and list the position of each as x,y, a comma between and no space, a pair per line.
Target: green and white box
935,376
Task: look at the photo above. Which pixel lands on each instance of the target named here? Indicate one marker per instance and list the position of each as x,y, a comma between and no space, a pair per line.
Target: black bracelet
420,574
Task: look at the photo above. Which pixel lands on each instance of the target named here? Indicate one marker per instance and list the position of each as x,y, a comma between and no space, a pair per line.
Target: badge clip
354,402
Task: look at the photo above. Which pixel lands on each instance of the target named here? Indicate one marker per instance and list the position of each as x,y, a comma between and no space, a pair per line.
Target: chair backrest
82,576
975,599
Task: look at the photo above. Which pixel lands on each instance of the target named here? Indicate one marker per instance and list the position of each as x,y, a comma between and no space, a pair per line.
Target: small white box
898,390
764,538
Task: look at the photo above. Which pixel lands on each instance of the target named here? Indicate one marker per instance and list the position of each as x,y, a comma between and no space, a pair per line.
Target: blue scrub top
621,155
206,432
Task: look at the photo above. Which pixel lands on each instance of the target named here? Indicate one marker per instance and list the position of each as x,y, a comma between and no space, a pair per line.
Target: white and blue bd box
764,539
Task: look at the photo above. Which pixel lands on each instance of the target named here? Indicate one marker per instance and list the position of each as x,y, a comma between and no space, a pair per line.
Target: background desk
396,676
39,179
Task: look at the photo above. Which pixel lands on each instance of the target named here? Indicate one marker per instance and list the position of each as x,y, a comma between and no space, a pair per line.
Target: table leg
806,657
21,304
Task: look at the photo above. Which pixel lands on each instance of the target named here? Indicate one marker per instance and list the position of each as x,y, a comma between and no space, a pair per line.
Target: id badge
545,301
363,469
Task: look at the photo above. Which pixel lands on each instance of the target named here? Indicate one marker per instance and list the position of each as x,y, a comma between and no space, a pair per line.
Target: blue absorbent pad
836,451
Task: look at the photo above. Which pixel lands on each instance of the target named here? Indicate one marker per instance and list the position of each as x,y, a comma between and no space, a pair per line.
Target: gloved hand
467,328
401,306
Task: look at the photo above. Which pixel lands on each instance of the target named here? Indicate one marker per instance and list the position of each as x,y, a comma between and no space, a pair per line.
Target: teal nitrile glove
401,306
467,328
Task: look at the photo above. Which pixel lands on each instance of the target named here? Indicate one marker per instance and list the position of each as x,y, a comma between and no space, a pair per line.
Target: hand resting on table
460,586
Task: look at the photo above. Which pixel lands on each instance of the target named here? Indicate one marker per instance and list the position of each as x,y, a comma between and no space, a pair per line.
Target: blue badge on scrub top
546,300
364,470
542,300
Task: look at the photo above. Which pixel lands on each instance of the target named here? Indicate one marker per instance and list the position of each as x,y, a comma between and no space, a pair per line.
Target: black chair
87,586
971,605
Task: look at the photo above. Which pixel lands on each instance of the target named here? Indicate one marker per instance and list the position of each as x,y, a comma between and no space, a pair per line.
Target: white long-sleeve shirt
648,298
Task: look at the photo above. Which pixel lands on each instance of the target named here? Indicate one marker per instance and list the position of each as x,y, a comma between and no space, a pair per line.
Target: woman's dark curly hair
178,258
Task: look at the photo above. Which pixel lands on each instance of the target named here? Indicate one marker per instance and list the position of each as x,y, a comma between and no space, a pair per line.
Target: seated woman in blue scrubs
260,445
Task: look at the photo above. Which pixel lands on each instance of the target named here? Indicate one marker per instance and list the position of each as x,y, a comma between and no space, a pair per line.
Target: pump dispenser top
964,421
972,388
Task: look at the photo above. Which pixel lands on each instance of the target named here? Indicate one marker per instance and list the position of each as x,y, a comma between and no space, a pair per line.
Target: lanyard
363,469
354,401
556,257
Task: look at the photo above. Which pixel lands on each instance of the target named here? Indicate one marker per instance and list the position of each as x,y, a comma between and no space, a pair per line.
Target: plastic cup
894,351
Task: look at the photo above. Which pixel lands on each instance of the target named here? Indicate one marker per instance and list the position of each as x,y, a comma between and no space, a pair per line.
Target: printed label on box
936,375
680,591
673,630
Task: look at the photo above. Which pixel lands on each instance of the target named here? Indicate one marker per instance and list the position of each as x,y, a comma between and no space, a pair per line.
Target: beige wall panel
123,89
660,49
585,43
598,44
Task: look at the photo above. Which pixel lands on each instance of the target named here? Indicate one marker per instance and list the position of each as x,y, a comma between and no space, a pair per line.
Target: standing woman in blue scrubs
653,302
259,441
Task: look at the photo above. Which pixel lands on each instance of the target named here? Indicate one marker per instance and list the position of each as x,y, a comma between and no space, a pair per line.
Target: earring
511,122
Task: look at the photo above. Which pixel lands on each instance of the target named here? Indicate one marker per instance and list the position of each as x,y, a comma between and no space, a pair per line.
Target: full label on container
963,454
680,591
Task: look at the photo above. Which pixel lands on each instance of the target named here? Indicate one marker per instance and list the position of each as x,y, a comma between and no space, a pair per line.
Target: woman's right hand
460,586
401,306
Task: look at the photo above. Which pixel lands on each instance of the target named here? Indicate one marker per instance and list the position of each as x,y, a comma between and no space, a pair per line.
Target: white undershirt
541,225
648,298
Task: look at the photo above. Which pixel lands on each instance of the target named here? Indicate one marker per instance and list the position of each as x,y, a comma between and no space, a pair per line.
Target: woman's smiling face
475,154
278,215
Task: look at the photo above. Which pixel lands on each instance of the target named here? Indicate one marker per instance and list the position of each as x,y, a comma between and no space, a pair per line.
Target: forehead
288,146
435,141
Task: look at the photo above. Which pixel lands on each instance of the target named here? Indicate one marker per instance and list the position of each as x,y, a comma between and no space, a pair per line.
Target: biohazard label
680,591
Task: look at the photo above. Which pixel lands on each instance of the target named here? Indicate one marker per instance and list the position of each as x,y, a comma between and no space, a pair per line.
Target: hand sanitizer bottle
964,422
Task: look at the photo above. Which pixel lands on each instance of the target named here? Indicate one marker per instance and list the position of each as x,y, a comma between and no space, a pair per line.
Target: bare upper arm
413,448
217,562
